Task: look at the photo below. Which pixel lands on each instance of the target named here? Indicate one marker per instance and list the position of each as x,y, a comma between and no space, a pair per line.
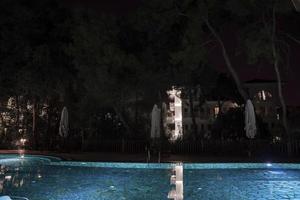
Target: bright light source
277,138
23,141
269,165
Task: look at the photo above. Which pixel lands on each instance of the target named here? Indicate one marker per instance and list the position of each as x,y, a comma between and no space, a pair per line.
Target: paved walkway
127,157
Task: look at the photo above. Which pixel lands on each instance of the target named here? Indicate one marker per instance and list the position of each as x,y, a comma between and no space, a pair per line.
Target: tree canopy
100,63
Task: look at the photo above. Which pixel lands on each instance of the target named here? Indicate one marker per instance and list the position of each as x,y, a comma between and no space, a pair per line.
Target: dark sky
262,70
292,79
290,74
115,6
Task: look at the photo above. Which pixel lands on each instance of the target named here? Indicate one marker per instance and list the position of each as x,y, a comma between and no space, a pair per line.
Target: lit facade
179,118
174,116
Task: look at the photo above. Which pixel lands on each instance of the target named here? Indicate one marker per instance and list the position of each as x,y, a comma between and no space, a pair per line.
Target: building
174,115
179,121
264,94
179,116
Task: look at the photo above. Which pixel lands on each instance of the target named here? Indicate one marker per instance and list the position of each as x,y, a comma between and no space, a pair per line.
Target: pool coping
190,166
56,161
141,158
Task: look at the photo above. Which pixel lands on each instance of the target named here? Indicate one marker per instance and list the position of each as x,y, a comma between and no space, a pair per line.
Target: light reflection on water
37,179
18,172
41,181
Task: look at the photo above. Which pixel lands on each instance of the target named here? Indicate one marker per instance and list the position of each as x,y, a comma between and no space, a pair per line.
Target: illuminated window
278,111
263,95
216,111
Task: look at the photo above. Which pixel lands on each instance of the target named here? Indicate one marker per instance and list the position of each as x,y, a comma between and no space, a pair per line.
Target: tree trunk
15,133
279,85
17,125
26,123
34,124
284,109
136,113
201,101
49,138
2,123
162,128
191,101
220,107
228,62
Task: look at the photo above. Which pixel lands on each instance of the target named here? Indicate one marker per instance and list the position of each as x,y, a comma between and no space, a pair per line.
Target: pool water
239,184
47,178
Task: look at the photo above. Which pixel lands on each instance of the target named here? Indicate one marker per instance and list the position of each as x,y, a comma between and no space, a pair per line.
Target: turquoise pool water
49,178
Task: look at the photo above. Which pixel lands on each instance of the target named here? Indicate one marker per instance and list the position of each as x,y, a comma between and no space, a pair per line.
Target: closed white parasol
64,123
155,122
250,122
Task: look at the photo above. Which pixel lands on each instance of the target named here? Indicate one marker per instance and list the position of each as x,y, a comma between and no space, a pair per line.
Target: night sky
263,70
115,6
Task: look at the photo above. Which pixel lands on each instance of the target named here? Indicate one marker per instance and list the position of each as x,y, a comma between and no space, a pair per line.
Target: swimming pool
49,178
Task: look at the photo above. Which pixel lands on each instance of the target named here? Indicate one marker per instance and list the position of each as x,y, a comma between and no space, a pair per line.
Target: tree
266,42
35,68
122,56
213,14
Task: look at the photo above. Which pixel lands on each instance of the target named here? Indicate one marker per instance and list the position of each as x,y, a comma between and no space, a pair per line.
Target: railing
202,147
129,146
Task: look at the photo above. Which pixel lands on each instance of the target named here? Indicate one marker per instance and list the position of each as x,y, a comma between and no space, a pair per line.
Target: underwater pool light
269,165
